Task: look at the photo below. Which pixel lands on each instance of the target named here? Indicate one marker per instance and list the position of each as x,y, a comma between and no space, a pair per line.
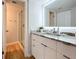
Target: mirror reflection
60,13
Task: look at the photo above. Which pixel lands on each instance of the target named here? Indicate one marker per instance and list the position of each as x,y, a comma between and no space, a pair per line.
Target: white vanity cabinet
40,51
37,47
45,48
50,53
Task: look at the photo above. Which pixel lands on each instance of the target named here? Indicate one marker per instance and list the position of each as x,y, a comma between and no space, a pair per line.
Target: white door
34,49
38,50
51,19
11,23
50,53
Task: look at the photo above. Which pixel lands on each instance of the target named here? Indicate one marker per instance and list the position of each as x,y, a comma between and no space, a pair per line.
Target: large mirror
60,13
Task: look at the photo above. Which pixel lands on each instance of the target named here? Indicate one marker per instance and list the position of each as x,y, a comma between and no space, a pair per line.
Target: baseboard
17,42
11,43
20,46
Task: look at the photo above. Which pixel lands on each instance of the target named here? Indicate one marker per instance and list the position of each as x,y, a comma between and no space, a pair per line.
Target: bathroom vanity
46,46
56,13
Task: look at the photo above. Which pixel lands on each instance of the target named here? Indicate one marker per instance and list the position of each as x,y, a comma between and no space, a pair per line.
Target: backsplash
62,29
67,29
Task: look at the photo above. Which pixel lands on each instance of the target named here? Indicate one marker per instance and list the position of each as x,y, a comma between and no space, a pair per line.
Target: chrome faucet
54,30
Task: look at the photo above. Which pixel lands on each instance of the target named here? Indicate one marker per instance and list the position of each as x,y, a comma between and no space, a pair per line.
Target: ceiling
60,5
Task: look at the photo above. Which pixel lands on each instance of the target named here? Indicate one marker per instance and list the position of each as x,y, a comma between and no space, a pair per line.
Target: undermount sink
56,34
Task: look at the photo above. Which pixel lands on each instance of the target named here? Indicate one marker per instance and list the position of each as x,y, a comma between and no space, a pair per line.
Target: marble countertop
65,38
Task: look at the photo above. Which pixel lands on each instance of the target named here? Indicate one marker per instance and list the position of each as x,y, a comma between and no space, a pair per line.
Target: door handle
6,30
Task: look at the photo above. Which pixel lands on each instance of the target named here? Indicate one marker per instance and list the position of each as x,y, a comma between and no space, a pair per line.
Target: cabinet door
50,53
69,51
34,49
61,56
40,51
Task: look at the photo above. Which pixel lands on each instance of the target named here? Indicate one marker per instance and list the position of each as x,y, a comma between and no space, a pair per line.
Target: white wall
36,13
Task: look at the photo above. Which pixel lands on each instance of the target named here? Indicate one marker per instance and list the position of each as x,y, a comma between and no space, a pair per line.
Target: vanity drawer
59,47
36,38
67,50
50,43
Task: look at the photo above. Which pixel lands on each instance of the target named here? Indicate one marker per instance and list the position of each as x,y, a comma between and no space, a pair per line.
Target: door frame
4,27
26,34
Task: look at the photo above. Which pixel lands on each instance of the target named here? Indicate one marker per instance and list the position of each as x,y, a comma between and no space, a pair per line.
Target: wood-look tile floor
14,52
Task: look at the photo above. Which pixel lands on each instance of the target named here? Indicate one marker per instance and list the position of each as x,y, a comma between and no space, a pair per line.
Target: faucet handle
53,29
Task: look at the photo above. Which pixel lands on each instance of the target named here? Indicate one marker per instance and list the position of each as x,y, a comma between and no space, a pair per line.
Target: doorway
13,25
15,22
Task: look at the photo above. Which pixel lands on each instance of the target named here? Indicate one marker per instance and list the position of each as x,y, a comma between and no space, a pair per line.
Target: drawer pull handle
43,44
66,57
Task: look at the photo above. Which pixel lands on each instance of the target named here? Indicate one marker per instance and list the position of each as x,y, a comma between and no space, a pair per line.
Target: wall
36,13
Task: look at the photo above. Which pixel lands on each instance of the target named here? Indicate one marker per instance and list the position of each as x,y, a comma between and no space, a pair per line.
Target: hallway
14,52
